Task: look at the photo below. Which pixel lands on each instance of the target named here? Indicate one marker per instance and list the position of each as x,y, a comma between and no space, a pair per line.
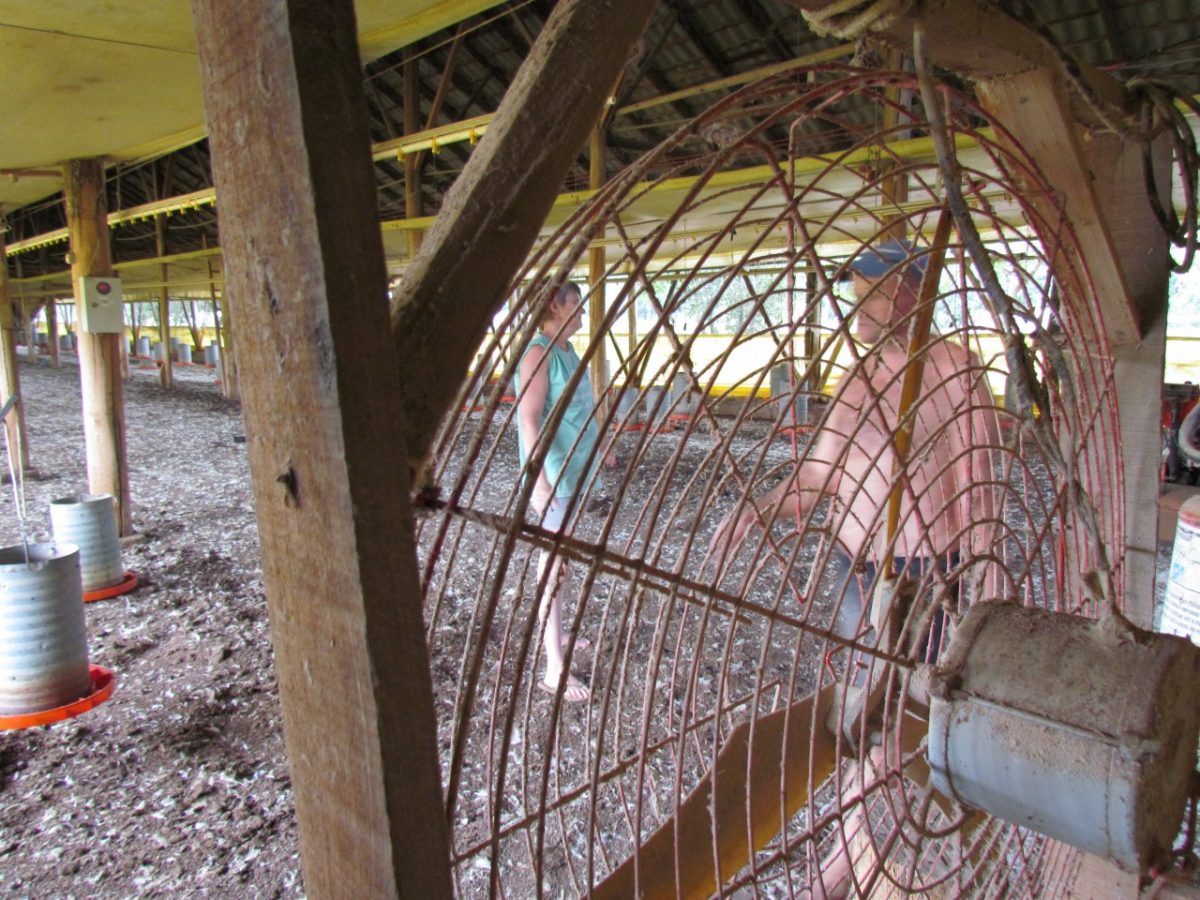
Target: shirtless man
947,507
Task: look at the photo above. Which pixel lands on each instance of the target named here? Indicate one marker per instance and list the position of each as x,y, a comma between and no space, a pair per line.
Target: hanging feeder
45,675
89,522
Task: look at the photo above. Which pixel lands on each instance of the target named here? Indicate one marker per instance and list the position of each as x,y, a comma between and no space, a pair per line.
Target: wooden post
596,309
99,354
1138,369
305,274
52,334
412,168
166,375
10,382
493,213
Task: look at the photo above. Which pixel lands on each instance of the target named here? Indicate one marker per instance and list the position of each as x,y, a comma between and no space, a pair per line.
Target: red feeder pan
103,682
124,586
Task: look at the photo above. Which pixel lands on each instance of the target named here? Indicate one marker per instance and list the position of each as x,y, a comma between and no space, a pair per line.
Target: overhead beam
493,213
305,276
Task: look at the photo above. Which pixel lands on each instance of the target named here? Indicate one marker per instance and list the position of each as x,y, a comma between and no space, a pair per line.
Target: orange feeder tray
103,682
124,586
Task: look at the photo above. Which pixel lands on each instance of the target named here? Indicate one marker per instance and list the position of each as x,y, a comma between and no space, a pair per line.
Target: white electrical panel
102,306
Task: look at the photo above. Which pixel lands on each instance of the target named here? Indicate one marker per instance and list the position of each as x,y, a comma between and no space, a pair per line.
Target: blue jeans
851,619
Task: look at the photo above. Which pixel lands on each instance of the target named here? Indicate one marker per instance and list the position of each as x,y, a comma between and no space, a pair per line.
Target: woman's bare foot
574,692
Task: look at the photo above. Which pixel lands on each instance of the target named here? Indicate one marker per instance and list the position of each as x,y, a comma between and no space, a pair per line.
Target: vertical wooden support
412,161
10,381
99,354
1101,180
52,334
1138,369
166,373
229,356
30,311
304,273
492,214
596,309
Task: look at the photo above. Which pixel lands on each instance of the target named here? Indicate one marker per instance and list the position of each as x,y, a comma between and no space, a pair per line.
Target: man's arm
815,474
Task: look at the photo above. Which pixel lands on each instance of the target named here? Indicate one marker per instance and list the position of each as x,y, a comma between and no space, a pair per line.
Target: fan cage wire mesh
548,797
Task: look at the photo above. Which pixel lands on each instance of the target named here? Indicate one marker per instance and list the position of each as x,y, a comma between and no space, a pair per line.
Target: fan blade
776,780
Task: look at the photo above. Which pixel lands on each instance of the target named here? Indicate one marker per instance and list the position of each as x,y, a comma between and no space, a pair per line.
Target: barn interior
364,201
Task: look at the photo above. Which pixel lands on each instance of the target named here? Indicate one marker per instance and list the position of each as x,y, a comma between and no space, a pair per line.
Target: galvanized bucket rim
40,555
80,499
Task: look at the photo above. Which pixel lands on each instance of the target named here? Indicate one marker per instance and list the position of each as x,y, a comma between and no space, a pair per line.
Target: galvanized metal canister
1181,604
43,643
212,354
89,521
183,353
142,347
1082,730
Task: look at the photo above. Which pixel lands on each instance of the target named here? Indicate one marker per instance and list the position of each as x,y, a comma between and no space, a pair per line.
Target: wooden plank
1033,108
99,354
305,275
492,214
10,380
762,776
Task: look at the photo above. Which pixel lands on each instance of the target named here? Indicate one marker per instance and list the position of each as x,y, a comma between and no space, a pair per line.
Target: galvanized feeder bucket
89,521
43,643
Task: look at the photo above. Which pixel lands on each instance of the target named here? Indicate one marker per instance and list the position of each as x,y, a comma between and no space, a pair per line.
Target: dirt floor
179,785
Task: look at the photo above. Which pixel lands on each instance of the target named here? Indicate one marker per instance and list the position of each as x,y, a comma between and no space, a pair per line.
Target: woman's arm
535,383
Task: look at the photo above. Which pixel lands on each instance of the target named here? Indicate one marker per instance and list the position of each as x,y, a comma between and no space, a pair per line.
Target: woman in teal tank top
545,372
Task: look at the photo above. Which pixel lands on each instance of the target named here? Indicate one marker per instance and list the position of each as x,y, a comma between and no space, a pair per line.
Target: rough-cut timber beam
494,211
99,354
305,275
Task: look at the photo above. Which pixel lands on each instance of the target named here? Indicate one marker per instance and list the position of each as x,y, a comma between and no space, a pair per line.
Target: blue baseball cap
877,261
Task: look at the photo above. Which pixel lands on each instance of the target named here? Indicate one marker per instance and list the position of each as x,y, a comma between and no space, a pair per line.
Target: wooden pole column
99,354
10,382
412,167
305,274
166,375
52,334
596,309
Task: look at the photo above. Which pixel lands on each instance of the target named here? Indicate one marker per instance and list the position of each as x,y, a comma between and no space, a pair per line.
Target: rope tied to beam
853,19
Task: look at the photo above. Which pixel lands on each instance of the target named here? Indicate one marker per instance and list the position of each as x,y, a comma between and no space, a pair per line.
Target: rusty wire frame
686,643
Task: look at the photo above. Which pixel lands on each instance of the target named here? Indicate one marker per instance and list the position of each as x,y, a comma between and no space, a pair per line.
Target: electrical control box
102,305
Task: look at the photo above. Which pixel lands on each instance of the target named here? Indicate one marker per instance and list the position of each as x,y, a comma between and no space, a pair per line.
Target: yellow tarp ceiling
120,79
